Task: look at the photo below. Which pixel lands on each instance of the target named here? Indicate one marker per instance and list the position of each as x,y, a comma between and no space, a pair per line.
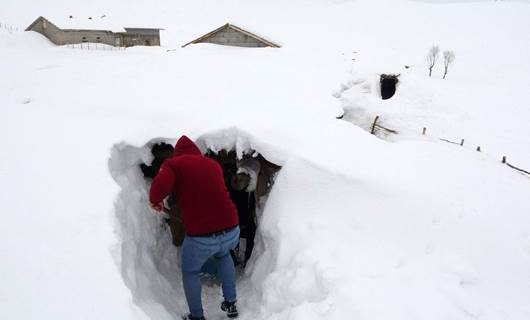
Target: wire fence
94,46
377,125
479,149
10,28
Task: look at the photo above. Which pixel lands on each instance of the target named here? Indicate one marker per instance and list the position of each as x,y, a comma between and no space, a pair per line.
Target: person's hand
157,206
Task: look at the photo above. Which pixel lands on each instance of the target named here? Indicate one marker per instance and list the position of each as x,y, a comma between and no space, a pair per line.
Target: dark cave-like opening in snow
147,253
388,84
249,181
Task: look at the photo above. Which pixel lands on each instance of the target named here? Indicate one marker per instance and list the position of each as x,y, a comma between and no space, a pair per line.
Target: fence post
374,124
503,159
462,142
424,130
478,148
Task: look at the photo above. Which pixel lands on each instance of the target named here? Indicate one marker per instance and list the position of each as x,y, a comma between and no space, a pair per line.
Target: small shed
231,35
95,29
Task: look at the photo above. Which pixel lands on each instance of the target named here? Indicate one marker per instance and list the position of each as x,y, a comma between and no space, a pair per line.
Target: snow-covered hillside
356,227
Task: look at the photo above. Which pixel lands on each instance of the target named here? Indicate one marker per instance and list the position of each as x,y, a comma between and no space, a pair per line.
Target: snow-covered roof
85,22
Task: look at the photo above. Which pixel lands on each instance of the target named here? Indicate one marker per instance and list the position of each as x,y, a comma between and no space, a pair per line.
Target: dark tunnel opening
388,84
149,253
248,179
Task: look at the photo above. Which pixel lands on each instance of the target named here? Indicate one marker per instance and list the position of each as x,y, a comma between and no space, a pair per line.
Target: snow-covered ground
356,227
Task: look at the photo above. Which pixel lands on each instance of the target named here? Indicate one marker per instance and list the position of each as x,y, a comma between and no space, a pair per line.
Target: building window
118,42
98,39
84,39
44,25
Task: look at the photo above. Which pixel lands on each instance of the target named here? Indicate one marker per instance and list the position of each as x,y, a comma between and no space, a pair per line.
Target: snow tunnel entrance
249,180
388,84
148,253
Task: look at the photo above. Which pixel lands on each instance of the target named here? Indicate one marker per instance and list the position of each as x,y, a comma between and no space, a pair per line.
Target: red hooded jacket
199,188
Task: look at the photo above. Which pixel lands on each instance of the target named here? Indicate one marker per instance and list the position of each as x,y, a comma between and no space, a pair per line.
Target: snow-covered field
356,227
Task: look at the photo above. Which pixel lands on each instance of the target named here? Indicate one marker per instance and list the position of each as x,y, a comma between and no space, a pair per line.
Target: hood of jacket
186,147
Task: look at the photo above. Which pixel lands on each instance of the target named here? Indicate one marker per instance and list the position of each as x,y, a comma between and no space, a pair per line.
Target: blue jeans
195,252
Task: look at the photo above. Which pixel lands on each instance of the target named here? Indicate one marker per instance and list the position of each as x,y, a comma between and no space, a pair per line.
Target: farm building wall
80,36
47,29
231,37
133,36
62,37
140,37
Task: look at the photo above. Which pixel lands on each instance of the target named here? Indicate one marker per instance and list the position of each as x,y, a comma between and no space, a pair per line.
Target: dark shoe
230,309
190,317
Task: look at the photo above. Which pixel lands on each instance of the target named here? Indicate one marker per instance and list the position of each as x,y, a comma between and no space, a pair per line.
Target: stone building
74,30
140,37
231,35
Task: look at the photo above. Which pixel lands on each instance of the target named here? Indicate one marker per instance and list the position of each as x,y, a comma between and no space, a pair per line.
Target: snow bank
343,242
147,259
398,252
85,21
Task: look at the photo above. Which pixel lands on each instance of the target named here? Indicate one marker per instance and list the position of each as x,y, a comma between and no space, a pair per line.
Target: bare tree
449,57
432,57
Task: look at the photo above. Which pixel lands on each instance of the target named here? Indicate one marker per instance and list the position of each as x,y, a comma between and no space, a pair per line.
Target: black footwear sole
229,314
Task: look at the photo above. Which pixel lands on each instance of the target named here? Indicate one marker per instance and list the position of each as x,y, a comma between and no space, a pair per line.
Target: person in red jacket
209,216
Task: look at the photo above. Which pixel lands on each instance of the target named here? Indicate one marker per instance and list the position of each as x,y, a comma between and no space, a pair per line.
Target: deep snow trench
149,262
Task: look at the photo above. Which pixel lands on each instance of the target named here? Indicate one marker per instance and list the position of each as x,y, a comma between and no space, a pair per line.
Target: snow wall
150,264
370,240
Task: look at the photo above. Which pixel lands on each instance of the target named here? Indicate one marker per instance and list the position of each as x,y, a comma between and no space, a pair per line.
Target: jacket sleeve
162,184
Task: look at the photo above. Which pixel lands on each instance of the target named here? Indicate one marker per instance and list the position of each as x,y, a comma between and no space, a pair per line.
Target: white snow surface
84,21
356,226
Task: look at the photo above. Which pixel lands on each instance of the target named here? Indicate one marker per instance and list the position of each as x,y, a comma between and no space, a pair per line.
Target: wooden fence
376,125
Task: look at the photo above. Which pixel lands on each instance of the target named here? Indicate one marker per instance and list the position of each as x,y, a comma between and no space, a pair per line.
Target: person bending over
210,220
